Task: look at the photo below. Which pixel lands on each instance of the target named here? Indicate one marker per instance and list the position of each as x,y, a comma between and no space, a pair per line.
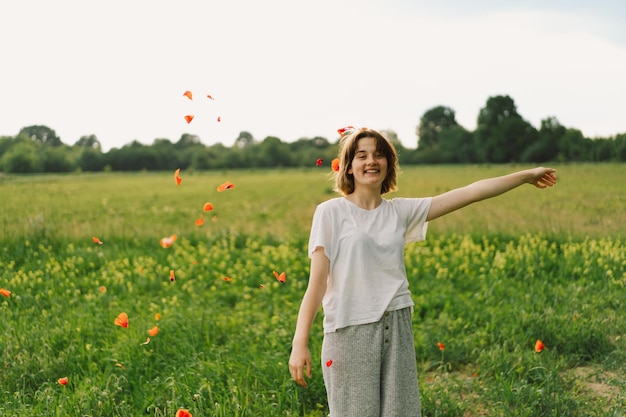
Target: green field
489,281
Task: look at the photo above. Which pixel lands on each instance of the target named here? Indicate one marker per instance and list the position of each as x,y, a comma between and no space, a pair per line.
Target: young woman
358,275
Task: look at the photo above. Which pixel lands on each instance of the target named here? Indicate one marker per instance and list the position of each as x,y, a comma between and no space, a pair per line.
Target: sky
294,69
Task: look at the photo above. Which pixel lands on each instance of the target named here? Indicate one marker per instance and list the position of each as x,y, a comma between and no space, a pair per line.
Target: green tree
21,158
501,134
56,159
41,134
91,159
432,123
244,140
456,145
88,142
574,147
546,148
272,152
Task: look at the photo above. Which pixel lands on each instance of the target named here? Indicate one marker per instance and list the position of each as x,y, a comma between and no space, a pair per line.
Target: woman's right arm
300,355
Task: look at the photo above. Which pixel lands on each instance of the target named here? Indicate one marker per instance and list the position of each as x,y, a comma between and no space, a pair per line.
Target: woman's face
369,166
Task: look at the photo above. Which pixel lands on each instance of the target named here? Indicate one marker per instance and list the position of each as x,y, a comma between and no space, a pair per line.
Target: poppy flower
319,162
281,278
335,164
207,207
226,186
157,316
153,331
166,242
188,95
441,346
172,276
96,240
177,177
200,221
102,289
539,346
345,130
329,363
5,292
189,118
227,279
63,381
122,320
183,413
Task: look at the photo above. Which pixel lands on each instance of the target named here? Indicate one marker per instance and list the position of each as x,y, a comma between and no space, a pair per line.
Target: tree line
501,136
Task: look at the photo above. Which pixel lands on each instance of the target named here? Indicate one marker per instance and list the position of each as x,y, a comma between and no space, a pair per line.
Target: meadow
489,281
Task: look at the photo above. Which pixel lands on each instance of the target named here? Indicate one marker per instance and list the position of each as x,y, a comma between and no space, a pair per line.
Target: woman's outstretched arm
491,187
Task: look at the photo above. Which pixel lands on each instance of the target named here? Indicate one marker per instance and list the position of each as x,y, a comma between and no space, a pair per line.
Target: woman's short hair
344,182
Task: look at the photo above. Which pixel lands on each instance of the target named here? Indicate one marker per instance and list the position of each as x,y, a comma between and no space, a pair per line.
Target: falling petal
63,381
210,96
226,186
280,277
146,342
188,95
166,242
207,207
319,162
329,363
122,320
200,221
153,331
214,218
335,165
189,118
219,119
96,240
177,177
172,276
261,286
539,346
183,413
119,365
228,279
5,292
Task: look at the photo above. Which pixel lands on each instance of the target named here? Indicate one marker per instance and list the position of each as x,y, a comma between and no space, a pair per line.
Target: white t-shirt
366,251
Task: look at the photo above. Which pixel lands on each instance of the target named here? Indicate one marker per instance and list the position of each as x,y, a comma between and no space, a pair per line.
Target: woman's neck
365,199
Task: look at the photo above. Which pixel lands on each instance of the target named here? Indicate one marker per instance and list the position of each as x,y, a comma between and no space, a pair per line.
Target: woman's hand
299,361
542,177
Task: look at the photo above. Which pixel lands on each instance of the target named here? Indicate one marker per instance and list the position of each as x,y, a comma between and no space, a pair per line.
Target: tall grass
489,281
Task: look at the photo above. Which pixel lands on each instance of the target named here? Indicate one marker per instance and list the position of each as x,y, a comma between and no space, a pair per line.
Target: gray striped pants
370,369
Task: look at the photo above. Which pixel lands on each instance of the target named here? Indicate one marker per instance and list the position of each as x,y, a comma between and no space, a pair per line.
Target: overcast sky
292,69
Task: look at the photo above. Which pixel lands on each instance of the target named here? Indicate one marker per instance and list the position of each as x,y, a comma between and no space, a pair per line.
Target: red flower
226,186
329,363
319,162
122,320
539,346
63,381
441,346
280,277
183,413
